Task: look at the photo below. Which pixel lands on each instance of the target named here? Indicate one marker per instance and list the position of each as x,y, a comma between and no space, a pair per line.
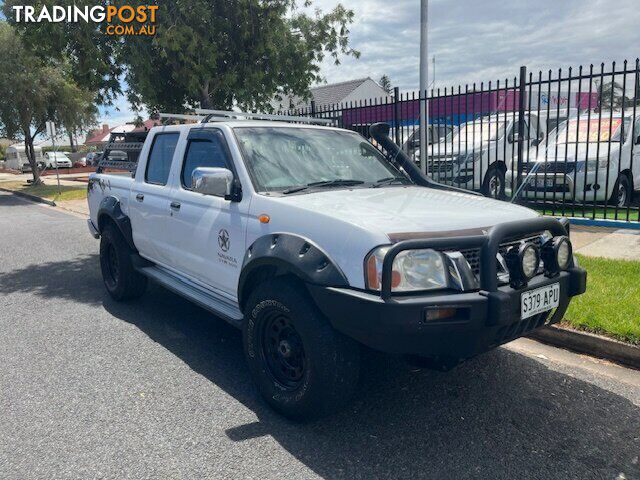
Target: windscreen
478,132
283,158
586,130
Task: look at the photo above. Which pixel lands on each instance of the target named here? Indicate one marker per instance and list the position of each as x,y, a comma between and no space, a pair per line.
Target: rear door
149,199
209,231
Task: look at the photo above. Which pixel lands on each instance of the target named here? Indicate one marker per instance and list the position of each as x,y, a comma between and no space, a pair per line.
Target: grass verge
49,191
611,304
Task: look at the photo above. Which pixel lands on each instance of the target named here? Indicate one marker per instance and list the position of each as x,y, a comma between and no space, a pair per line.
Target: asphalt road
158,388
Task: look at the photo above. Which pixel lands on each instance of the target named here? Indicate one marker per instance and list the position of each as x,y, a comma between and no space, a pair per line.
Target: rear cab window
160,158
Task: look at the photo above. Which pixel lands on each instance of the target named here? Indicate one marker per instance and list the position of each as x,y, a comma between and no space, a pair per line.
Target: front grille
549,167
440,166
472,255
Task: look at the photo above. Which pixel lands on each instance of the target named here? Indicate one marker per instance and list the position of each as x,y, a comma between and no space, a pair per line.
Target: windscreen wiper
389,181
338,182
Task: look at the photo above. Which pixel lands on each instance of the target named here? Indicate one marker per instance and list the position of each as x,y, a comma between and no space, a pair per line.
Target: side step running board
215,303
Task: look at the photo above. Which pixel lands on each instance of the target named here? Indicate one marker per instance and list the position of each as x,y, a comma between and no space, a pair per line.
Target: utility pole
424,84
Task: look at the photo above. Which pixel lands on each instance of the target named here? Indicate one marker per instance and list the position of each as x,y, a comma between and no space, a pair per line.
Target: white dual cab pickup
313,242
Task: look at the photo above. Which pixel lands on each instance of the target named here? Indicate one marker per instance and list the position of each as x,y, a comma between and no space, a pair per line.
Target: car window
159,163
203,153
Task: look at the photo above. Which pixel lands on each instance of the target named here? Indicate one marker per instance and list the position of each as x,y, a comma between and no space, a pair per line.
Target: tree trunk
205,99
73,146
31,155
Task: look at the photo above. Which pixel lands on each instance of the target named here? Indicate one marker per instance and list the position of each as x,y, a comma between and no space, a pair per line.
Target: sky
475,41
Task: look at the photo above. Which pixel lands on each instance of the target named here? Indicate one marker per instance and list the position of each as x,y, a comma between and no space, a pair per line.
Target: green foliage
92,56
33,92
385,83
220,54
610,305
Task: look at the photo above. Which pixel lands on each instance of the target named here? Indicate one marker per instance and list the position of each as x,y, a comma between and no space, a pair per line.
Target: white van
590,158
475,157
16,158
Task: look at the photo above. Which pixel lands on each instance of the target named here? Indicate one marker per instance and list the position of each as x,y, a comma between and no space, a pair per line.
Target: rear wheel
302,367
494,183
622,192
120,278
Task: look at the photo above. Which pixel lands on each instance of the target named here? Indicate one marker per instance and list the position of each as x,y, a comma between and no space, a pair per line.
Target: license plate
539,300
545,182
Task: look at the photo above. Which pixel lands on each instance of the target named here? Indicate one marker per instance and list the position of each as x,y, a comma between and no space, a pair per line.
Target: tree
32,93
611,95
91,54
385,83
221,54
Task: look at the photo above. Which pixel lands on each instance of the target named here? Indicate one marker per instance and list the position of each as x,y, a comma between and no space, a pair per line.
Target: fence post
313,108
396,116
521,123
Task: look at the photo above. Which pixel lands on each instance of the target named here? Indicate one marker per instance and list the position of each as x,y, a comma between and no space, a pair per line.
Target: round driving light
563,252
530,260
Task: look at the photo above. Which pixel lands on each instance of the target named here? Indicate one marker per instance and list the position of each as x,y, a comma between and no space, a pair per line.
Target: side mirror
513,137
535,142
217,182
638,140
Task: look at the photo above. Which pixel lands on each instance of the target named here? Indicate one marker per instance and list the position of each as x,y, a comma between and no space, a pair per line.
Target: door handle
175,206
140,197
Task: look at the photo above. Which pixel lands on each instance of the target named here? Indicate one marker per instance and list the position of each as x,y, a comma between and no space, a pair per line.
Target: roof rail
181,116
209,114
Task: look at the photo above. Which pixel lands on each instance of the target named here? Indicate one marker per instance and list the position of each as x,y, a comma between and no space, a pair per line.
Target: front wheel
302,367
494,183
622,192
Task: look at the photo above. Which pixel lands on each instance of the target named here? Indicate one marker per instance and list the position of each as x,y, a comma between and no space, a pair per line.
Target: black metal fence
565,142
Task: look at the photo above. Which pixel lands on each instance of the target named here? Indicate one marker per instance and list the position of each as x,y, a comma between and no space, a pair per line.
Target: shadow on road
501,415
77,280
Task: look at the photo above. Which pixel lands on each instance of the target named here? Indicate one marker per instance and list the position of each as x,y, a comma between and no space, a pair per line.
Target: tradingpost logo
119,20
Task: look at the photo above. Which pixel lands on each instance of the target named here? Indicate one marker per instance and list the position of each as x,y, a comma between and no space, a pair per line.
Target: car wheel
120,278
303,368
622,192
494,183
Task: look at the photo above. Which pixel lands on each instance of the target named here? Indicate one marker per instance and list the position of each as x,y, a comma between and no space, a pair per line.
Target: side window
160,156
210,152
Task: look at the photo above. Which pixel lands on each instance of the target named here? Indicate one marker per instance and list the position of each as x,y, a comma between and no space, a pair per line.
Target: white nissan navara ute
315,243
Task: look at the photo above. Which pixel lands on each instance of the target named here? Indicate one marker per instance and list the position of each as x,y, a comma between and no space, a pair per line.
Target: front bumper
483,320
486,315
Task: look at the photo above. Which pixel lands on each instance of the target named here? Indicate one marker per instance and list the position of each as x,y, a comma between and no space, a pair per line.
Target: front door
209,231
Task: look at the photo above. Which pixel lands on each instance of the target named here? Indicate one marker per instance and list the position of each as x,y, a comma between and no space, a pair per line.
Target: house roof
323,95
335,92
103,136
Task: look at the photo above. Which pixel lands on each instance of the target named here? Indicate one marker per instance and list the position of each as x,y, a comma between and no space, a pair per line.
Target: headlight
412,270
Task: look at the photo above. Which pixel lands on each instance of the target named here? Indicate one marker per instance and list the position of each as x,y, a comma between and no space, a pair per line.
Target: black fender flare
289,254
110,208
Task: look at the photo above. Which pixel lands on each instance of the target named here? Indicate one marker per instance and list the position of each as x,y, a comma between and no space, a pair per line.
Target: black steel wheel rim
113,264
282,349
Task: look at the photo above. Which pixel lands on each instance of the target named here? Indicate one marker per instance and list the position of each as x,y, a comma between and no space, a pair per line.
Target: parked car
475,157
590,158
410,136
93,158
81,162
312,242
57,160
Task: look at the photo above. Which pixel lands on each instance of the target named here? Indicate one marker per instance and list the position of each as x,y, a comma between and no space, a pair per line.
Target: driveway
158,388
